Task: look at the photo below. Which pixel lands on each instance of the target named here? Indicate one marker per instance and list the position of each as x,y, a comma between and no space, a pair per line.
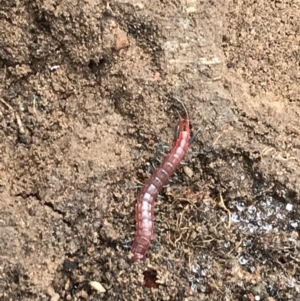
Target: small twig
19,123
34,104
279,156
235,247
217,139
16,115
222,205
6,104
178,239
267,150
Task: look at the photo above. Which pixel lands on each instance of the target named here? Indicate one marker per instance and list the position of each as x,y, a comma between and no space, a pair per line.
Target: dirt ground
87,108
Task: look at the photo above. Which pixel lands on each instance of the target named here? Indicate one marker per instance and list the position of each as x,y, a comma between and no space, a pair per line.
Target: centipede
144,207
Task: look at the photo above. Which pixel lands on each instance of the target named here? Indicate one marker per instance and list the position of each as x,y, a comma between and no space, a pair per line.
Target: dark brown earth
87,92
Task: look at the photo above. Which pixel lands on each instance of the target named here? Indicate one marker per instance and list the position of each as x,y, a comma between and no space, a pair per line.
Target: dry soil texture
87,108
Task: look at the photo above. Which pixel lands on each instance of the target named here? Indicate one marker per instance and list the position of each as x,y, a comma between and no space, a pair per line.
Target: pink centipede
144,217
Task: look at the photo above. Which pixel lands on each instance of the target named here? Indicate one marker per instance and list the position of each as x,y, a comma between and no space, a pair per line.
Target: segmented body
144,218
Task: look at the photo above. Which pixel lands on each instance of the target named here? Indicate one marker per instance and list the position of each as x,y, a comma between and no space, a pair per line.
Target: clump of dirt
87,108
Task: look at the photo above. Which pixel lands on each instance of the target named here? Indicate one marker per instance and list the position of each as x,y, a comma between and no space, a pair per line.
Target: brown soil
87,94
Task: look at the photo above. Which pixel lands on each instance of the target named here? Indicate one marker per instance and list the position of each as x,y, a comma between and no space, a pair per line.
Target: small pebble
97,286
55,297
121,40
188,171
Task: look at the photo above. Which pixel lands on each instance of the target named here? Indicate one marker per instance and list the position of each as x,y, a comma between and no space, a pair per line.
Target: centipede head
184,108
184,125
184,122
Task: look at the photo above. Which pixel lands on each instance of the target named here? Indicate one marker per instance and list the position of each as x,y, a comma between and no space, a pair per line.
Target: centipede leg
161,151
194,136
176,132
